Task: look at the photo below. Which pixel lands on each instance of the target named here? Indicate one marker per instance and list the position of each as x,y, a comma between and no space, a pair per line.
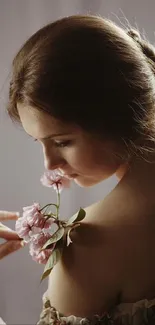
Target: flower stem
50,216
58,202
48,205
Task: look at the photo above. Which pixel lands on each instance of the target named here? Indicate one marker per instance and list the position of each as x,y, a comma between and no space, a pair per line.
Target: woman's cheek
74,157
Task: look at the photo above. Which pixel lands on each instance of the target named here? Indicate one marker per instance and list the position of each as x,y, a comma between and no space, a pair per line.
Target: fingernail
23,243
18,243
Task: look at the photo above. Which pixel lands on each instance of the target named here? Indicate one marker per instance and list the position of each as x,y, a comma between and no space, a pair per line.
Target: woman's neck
138,174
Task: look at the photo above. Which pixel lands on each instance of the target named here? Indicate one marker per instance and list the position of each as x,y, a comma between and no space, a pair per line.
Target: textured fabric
139,313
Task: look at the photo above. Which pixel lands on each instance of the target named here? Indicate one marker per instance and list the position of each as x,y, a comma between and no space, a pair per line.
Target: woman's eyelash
62,144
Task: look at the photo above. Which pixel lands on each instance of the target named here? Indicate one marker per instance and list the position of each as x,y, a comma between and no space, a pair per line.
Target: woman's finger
8,234
10,247
6,215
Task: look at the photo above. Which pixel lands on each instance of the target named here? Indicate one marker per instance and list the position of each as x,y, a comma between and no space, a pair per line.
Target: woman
13,242
85,89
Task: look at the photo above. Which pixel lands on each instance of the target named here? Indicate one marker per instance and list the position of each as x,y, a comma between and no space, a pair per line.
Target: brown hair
89,71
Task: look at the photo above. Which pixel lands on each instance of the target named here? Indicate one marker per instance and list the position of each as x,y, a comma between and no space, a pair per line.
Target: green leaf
45,274
60,245
77,218
53,259
55,237
81,215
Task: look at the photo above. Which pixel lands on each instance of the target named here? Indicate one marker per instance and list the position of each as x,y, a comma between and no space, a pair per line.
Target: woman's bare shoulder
84,279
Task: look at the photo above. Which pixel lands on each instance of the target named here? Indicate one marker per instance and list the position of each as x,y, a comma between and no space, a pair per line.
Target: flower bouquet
42,228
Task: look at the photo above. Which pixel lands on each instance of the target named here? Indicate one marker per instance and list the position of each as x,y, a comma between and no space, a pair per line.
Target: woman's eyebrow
50,136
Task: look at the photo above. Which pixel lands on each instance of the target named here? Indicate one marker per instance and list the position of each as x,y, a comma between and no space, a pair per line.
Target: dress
139,313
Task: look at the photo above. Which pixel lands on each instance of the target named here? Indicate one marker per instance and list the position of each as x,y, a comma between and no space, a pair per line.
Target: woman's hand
13,242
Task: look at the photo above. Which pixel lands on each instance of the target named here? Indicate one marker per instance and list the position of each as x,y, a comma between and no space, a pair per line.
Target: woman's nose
52,160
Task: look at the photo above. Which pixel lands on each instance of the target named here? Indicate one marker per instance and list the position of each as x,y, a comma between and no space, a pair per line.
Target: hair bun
135,35
147,48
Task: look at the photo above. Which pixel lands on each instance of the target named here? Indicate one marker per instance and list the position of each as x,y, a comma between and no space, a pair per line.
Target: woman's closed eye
62,144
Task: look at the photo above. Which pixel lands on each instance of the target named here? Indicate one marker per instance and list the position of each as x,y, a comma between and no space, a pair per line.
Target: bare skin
111,259
13,242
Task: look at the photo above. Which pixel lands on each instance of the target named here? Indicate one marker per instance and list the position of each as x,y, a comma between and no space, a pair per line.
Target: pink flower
48,223
54,179
33,215
35,248
23,229
41,257
51,227
32,208
32,222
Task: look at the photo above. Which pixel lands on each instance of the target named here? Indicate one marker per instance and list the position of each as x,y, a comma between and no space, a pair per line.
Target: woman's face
66,147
